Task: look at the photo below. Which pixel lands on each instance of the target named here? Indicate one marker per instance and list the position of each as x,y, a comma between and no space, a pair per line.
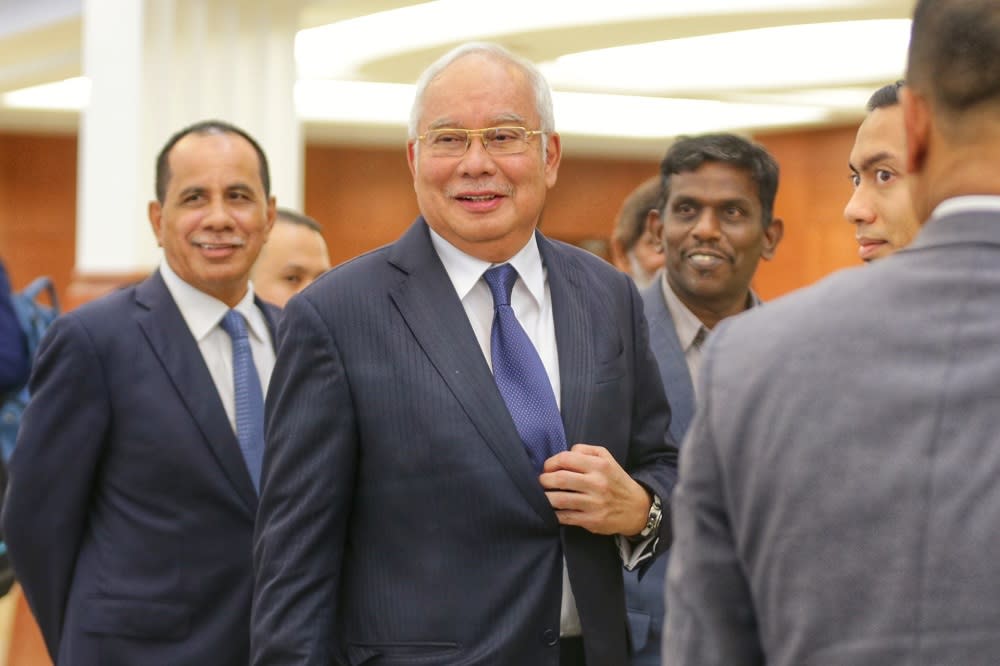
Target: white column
156,66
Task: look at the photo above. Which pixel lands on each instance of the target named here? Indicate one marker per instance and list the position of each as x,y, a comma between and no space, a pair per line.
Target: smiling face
485,205
215,216
713,236
881,208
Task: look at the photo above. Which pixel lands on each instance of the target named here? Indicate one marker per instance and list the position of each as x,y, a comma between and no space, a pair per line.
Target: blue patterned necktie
249,396
520,375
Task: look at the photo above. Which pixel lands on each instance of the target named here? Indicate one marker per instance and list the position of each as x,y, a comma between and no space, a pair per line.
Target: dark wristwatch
653,520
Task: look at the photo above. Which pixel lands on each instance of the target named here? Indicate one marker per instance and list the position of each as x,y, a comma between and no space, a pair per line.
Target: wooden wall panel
812,193
38,207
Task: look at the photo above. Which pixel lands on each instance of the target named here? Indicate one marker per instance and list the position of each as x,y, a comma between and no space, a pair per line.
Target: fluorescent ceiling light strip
355,102
338,49
66,95
765,58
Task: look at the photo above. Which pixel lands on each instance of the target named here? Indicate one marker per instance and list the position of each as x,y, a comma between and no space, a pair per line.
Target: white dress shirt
203,314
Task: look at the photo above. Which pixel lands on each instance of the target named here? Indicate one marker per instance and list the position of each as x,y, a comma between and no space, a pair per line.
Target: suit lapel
426,299
670,357
173,344
571,315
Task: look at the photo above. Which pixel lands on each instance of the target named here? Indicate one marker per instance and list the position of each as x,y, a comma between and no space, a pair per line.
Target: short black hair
295,217
954,53
206,127
887,95
688,153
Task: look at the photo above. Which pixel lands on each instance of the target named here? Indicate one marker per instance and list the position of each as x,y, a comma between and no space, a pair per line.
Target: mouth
871,248
706,259
477,197
219,250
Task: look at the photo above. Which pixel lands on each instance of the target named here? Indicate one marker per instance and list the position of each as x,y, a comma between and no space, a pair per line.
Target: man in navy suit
403,519
715,223
131,505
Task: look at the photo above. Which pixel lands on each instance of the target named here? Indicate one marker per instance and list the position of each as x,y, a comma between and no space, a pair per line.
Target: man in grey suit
132,494
838,501
467,436
715,222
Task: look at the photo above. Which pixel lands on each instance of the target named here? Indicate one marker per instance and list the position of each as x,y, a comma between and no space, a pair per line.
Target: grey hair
540,87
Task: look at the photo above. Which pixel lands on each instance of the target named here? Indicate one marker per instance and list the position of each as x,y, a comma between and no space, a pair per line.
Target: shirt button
550,637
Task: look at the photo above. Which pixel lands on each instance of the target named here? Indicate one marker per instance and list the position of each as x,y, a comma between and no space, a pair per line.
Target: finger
590,450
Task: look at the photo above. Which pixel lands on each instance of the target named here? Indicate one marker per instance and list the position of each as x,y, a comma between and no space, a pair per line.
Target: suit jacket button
550,637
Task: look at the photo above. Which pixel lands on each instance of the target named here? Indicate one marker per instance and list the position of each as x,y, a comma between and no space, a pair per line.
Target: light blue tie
520,375
249,396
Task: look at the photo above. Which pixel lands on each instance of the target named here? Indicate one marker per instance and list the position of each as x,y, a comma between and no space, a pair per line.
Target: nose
217,216
706,227
477,160
859,209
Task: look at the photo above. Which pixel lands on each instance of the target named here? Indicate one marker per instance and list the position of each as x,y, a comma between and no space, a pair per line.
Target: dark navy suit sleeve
52,471
13,353
307,484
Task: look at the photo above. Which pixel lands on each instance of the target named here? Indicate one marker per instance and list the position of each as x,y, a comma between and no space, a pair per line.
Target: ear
654,225
553,155
916,122
772,236
272,214
411,157
155,213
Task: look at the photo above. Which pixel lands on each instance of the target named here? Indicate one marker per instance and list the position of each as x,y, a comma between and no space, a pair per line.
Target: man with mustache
133,486
715,223
880,207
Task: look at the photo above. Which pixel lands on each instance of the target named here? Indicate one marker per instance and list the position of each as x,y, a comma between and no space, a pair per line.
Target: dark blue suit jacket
645,599
401,521
130,511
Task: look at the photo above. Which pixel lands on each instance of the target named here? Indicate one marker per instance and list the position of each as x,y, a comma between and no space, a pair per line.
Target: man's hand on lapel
588,488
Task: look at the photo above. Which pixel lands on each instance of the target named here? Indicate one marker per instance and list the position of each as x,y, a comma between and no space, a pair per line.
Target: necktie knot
501,281
234,324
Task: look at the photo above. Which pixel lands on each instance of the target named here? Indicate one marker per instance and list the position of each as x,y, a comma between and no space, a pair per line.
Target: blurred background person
880,208
13,352
633,250
715,224
294,255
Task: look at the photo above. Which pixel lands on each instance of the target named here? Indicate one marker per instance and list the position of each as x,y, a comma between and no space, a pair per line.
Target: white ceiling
627,74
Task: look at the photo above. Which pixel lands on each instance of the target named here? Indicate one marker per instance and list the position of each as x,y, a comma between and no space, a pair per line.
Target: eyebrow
871,161
450,123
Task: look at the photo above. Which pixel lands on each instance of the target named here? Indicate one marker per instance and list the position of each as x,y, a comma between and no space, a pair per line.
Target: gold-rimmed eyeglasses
453,142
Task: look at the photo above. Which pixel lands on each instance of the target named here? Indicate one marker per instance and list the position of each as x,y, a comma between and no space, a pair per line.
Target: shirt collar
686,322
202,313
464,270
966,204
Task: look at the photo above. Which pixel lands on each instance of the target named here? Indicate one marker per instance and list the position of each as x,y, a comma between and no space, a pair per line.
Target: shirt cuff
634,553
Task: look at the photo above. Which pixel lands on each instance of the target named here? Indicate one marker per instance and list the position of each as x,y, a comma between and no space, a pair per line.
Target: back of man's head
954,54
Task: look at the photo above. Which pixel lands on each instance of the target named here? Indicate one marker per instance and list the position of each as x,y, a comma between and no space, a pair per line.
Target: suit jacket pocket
410,652
137,619
609,370
638,626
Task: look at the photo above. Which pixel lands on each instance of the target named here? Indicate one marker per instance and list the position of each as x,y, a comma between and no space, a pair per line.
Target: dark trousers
571,652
